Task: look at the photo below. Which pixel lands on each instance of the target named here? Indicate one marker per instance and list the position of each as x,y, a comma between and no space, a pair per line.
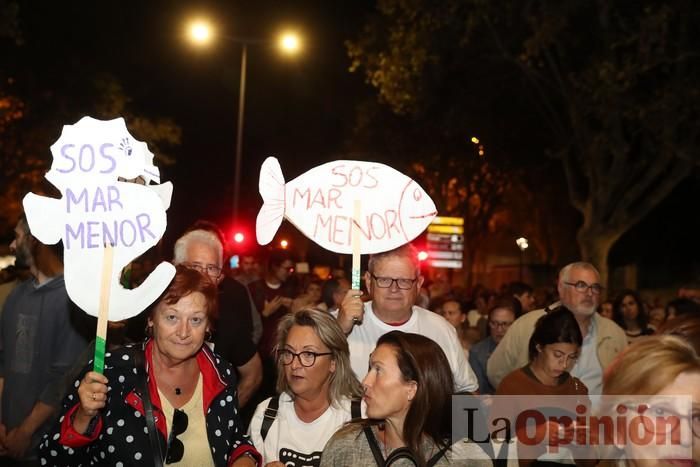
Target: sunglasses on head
175,447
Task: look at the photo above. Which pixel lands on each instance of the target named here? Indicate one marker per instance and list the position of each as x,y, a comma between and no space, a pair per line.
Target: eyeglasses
386,282
208,269
665,420
306,358
500,324
175,447
582,287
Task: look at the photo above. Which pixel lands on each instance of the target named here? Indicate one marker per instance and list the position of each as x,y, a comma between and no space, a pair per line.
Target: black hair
329,288
642,317
277,257
509,303
683,306
519,288
557,326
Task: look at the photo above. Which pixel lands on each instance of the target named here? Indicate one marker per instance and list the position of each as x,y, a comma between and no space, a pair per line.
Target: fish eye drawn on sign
319,202
105,177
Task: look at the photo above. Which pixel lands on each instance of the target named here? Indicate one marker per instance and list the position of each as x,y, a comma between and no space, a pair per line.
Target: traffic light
238,237
422,255
284,244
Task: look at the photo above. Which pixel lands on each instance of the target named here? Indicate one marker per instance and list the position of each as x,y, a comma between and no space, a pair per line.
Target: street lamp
522,244
201,33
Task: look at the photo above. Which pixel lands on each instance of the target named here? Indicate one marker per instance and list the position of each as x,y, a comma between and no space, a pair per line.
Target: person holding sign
38,342
393,281
190,391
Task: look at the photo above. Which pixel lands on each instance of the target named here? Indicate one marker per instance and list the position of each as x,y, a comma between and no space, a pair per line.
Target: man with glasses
500,317
579,290
202,250
393,280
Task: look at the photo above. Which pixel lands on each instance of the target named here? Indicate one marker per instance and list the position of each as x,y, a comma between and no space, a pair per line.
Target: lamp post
522,244
201,33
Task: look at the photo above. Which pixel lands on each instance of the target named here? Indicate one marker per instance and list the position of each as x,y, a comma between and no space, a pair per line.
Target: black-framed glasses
211,270
500,324
175,447
386,282
306,358
583,287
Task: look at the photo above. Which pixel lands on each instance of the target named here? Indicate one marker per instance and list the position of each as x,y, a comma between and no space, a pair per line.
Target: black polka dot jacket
120,437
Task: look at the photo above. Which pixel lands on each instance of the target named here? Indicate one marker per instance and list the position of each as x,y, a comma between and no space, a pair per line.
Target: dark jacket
39,341
120,436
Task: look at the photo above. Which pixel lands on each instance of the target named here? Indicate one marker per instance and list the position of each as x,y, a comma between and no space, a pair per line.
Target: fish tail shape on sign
271,187
105,177
394,209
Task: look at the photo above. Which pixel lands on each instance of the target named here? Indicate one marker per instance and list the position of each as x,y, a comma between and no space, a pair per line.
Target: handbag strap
376,452
434,460
396,454
140,363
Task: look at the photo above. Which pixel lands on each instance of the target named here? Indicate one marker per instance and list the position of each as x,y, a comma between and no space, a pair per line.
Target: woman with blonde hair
318,391
664,366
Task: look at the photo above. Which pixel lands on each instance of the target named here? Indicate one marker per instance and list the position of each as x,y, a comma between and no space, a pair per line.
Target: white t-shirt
473,316
588,368
293,442
363,339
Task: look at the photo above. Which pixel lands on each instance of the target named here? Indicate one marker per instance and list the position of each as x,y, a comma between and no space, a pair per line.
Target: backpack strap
269,416
356,408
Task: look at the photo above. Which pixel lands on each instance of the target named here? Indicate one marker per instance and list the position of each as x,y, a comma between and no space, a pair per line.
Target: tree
615,84
30,125
466,188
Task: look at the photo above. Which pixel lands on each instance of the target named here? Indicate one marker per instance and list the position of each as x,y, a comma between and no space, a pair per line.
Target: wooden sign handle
103,312
357,208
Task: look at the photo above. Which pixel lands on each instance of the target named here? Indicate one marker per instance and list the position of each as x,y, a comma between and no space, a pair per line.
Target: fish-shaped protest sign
394,209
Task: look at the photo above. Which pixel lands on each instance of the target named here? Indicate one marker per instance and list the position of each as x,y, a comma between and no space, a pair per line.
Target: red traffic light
422,255
238,237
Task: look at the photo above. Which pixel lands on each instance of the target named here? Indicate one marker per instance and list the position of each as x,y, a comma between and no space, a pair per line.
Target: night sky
301,110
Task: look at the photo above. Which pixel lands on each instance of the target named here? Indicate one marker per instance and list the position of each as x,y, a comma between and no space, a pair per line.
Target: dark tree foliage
613,88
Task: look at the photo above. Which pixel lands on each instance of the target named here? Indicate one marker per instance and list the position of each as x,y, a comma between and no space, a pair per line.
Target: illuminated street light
284,244
522,244
290,43
201,33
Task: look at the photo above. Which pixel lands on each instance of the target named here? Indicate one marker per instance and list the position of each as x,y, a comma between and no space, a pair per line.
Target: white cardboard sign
89,161
394,209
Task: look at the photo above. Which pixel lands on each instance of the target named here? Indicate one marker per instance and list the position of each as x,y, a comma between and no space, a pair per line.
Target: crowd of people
264,366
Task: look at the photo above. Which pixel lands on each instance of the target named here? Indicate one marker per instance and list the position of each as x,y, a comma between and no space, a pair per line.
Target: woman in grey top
408,391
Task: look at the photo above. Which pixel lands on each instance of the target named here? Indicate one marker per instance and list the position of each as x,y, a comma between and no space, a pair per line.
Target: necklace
176,389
